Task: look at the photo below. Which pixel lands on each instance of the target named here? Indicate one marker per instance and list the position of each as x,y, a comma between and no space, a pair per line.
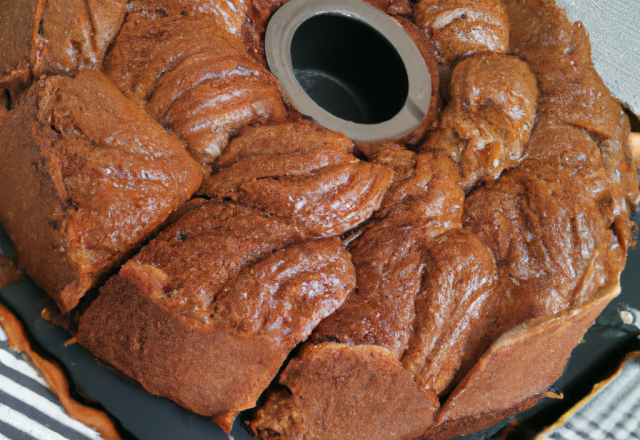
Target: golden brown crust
486,125
237,285
193,364
475,423
56,379
292,148
388,256
194,77
556,226
303,172
333,391
552,245
18,27
462,27
521,364
49,37
559,54
76,199
74,35
245,19
224,293
454,310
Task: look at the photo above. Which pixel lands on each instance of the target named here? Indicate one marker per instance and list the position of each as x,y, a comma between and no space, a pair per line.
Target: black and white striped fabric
613,413
28,410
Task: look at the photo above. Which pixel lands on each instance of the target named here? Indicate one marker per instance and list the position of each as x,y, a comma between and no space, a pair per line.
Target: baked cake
87,176
423,287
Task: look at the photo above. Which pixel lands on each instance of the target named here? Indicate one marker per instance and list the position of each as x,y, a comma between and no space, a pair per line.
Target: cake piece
553,246
486,125
559,54
303,172
601,166
463,27
193,76
425,289
517,370
75,34
46,37
388,256
208,311
455,311
334,392
86,177
246,19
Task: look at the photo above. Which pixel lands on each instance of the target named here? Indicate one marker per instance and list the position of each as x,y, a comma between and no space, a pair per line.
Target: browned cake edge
529,358
188,359
32,201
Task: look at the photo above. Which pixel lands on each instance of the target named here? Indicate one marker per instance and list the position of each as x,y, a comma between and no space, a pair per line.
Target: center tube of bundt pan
349,67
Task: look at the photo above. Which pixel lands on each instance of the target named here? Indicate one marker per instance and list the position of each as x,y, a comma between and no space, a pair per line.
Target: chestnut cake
240,255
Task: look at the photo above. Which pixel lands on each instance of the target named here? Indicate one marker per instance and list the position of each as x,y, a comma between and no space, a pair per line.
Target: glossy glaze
388,255
486,125
478,262
462,27
74,34
193,76
301,171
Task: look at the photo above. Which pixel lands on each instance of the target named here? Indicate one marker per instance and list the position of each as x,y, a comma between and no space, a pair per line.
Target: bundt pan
316,219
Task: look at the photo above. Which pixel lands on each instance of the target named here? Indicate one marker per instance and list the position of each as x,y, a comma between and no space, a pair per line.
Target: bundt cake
423,287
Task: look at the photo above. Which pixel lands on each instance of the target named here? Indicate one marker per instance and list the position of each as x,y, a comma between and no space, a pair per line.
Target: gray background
614,31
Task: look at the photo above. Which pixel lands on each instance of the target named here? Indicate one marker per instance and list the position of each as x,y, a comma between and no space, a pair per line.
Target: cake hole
349,69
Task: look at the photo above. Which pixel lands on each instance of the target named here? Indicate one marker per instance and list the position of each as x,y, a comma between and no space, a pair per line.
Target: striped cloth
613,413
28,410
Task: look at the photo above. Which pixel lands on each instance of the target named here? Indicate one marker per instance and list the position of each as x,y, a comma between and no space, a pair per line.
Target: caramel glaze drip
55,378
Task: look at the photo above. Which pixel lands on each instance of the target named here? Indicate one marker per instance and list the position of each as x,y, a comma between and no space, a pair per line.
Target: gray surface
614,30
